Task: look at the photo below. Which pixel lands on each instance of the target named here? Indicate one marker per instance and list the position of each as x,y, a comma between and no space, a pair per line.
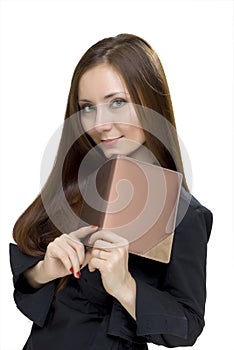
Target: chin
110,154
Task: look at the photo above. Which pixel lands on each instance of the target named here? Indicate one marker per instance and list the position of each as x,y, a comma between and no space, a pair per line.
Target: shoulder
192,214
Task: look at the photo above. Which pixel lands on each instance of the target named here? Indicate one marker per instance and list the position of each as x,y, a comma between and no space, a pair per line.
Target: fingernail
81,266
94,226
71,270
78,274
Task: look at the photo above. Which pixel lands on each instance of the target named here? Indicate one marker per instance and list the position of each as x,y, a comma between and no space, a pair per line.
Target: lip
112,141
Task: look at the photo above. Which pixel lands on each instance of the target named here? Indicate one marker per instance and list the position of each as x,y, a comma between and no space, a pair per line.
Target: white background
41,42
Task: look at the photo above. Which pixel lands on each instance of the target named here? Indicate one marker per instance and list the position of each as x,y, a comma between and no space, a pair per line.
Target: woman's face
107,114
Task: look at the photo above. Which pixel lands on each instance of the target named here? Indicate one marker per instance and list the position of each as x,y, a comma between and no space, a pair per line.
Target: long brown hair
146,83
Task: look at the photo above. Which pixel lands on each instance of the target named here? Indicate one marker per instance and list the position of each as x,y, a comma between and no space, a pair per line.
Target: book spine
109,184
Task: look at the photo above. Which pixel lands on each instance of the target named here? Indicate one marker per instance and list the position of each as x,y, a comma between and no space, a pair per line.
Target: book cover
137,201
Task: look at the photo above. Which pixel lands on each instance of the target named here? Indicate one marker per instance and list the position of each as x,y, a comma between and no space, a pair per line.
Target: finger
77,246
88,256
108,236
72,253
101,244
100,254
83,233
54,251
96,263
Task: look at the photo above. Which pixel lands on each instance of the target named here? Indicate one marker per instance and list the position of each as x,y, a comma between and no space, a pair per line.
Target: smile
112,141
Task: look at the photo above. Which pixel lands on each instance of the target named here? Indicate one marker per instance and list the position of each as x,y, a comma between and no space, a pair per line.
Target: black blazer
170,298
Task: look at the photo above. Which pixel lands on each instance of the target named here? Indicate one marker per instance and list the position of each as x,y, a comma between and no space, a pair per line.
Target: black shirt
170,298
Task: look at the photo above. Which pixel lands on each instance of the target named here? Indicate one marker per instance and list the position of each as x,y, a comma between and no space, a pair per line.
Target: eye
86,109
118,102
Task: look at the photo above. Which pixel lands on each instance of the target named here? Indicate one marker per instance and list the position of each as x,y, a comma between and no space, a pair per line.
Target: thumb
87,257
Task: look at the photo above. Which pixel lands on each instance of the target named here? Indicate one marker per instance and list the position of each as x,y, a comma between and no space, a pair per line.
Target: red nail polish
78,274
94,226
81,266
71,270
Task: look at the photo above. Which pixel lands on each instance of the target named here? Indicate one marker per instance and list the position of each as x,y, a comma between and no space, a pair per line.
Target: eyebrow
107,96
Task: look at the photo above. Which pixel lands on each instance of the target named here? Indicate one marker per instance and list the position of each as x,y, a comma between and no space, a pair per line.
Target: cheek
86,124
141,136
88,127
93,135
136,134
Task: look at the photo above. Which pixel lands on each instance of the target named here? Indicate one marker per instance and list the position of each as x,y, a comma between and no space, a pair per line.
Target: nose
102,120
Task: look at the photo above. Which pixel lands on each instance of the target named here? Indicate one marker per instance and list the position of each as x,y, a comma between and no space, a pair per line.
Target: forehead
100,81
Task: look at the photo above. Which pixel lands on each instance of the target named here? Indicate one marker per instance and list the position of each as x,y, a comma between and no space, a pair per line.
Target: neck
143,154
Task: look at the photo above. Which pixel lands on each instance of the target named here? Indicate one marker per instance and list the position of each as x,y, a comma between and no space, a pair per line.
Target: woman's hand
65,255
110,256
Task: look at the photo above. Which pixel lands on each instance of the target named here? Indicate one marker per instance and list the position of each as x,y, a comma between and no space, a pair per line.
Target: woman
102,297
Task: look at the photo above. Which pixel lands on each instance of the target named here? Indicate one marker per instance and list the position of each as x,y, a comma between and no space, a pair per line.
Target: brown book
137,201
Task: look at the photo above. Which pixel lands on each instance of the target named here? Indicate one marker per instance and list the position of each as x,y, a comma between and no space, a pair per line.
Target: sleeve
33,303
174,314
